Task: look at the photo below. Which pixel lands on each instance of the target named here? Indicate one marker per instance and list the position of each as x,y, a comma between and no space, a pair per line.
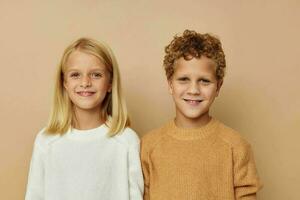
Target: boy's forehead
202,63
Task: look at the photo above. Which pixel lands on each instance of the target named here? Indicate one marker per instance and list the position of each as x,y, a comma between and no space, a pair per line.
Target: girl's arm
246,181
35,185
136,183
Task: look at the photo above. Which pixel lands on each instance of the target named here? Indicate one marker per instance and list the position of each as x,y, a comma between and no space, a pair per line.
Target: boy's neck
182,122
87,119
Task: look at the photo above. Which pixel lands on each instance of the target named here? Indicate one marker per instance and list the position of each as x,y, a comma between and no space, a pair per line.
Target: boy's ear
219,85
170,87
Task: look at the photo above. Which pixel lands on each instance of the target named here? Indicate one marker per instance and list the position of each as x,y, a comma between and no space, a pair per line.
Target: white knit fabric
86,165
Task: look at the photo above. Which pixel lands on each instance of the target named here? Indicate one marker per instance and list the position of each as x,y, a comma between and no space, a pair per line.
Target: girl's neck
87,119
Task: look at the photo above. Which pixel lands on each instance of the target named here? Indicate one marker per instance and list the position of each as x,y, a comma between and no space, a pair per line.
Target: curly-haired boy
195,156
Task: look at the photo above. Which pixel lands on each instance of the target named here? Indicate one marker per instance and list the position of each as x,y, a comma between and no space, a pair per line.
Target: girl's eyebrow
70,69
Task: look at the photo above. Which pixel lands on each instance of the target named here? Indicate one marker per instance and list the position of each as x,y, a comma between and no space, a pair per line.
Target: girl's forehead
82,61
78,57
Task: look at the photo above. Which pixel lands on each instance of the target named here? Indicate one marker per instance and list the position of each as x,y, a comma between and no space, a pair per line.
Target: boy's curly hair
194,45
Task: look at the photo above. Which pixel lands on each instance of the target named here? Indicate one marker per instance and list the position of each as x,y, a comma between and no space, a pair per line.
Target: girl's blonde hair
114,110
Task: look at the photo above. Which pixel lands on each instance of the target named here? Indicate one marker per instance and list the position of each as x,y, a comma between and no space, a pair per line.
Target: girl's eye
96,75
74,75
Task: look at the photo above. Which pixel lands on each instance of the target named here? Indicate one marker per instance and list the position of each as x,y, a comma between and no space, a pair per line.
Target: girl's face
86,80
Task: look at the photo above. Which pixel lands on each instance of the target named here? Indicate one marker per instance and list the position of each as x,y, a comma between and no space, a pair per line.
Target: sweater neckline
77,133
192,133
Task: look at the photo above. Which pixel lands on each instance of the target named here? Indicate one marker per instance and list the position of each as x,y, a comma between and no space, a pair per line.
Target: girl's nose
85,82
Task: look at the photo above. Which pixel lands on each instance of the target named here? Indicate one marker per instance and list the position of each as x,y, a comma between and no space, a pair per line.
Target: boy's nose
194,88
86,82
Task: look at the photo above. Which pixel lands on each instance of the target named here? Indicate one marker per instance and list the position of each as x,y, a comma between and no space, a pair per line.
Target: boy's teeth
193,100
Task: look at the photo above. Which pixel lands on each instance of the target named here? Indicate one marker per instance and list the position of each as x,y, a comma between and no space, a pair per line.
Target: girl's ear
219,85
109,89
64,83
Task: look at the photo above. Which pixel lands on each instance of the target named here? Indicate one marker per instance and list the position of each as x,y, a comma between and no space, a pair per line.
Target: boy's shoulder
230,136
152,137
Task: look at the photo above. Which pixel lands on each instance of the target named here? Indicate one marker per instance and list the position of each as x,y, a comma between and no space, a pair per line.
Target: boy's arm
246,181
35,185
145,167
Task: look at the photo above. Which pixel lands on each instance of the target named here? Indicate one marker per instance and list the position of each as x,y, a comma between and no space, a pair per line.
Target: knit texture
86,165
209,163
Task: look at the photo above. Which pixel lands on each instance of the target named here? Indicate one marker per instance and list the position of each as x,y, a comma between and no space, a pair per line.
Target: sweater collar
90,133
192,133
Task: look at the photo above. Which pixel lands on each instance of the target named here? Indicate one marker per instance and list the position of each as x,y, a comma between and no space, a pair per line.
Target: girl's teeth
85,93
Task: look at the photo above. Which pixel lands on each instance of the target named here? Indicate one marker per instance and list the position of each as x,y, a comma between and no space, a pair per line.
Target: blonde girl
87,151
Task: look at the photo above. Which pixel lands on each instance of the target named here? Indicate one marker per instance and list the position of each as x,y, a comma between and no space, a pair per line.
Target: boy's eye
205,81
183,79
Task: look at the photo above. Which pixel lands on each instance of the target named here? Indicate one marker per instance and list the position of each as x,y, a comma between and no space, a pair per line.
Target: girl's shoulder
44,139
128,137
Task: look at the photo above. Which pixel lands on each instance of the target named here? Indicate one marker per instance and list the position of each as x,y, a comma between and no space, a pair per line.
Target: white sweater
86,165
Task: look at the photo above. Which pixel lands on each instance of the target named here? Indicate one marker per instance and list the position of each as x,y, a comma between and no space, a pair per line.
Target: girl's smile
85,93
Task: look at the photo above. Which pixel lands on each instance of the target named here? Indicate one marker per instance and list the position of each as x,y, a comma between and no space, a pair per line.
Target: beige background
260,97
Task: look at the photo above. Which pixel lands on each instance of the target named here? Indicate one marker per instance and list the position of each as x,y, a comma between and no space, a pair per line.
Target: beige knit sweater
209,163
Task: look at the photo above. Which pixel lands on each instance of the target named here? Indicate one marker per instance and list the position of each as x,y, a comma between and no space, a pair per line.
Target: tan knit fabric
209,163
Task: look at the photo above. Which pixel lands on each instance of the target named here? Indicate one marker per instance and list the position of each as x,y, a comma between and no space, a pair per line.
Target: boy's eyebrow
201,76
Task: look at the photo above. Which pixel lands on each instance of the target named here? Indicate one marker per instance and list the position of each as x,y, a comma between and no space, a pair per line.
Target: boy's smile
194,87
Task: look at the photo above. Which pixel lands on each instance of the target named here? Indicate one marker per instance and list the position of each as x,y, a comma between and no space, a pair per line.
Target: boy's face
194,87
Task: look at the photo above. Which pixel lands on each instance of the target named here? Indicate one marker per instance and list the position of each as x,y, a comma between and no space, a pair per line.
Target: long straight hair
114,110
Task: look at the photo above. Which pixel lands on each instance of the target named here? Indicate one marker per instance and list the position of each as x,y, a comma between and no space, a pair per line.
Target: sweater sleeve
136,184
35,185
246,181
145,167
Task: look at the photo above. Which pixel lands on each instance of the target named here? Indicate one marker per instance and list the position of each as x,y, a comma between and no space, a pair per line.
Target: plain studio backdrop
260,97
